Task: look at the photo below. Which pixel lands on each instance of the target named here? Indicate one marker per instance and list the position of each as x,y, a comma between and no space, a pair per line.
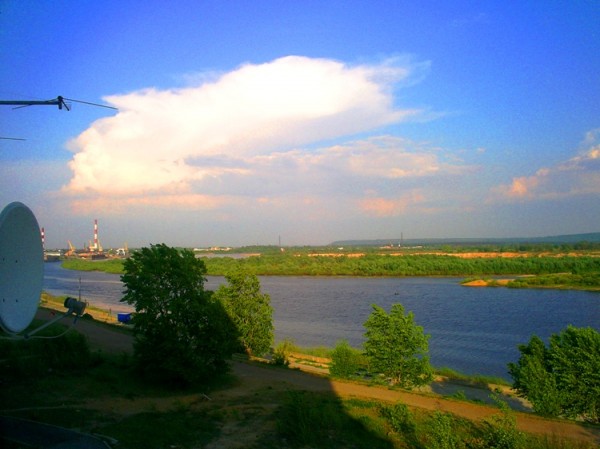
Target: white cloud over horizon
375,176
577,176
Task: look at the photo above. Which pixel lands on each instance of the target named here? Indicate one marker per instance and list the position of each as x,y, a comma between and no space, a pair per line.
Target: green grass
315,351
114,266
163,429
477,379
585,281
321,420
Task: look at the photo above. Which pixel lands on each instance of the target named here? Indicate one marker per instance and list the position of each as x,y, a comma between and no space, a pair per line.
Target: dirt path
255,377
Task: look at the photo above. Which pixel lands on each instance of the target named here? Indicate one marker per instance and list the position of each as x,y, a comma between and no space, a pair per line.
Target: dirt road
256,377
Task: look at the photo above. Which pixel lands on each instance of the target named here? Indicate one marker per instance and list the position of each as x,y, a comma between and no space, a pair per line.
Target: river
473,330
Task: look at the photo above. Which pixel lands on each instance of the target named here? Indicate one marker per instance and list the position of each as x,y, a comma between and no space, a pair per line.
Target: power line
58,101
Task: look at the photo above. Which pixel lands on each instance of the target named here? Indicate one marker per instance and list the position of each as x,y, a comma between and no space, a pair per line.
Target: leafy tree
249,310
533,378
575,363
182,334
563,379
397,347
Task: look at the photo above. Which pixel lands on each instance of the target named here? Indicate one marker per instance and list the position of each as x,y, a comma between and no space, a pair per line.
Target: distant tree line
559,280
375,265
410,265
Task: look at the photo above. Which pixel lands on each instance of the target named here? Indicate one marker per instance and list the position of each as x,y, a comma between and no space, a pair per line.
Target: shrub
441,433
281,353
345,360
399,417
500,430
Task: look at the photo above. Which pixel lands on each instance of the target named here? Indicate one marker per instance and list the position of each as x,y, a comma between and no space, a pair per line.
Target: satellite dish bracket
74,307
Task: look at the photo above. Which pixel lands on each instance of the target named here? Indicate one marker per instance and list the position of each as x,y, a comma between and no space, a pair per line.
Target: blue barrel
124,317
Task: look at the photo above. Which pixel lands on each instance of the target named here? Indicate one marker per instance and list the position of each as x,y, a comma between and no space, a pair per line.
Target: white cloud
154,143
577,176
244,147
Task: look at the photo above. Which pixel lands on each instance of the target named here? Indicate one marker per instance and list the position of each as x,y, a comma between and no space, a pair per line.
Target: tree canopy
249,310
397,347
182,334
564,378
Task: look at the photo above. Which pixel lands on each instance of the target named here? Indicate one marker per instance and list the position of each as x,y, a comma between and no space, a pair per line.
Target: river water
473,330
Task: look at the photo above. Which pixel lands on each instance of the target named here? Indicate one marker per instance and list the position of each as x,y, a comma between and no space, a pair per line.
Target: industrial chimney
96,246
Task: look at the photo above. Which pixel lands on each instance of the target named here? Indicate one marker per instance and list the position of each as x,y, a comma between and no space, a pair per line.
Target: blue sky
240,121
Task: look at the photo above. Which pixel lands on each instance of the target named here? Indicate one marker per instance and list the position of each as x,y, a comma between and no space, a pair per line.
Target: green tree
575,363
563,379
534,380
249,310
182,334
397,347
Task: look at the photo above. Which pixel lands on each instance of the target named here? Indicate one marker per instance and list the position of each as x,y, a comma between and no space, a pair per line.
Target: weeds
281,353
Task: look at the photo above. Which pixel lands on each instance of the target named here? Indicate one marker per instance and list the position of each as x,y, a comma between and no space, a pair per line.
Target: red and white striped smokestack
96,234
43,239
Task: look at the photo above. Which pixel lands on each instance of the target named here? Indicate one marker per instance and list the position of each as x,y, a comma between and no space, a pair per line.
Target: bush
500,431
441,433
345,360
399,417
281,353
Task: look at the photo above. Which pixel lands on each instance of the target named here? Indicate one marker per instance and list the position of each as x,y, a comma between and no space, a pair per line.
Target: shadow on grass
321,419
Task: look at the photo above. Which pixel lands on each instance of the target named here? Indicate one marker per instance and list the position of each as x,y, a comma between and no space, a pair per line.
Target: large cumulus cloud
166,140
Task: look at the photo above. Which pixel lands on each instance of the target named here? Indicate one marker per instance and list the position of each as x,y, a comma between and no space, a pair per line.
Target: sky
257,122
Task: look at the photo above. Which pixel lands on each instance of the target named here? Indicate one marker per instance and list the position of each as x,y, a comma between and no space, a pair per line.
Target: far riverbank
562,271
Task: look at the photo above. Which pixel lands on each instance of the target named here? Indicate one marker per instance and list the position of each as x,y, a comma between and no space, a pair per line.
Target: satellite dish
21,267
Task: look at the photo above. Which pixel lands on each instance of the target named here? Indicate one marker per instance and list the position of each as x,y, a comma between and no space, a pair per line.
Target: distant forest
581,261
408,265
